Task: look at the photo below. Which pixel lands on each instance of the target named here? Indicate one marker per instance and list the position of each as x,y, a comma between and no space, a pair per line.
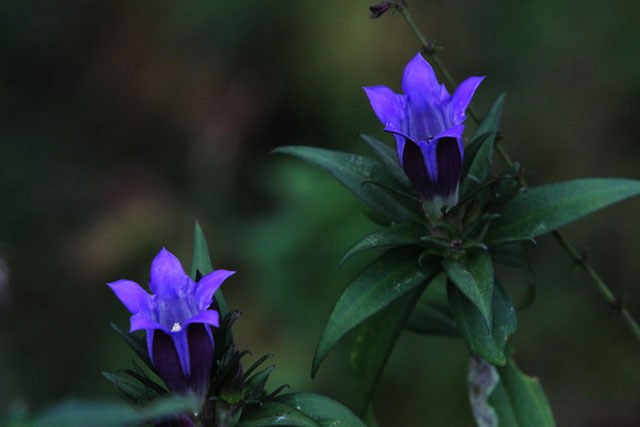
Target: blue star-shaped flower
426,123
177,320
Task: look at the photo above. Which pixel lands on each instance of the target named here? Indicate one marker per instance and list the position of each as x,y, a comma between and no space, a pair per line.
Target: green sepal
258,363
490,346
224,336
130,390
255,384
137,344
385,280
146,381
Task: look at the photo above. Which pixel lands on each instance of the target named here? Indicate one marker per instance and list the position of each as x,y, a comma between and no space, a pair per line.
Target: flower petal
401,137
167,275
182,347
200,357
150,333
210,317
140,321
208,285
454,132
419,80
136,299
461,98
414,165
167,363
449,167
388,106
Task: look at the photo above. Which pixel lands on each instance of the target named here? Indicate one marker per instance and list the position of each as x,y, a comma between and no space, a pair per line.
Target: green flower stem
429,49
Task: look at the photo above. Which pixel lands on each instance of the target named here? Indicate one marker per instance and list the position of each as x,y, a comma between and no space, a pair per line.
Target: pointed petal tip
462,97
419,79
208,285
386,104
131,294
167,273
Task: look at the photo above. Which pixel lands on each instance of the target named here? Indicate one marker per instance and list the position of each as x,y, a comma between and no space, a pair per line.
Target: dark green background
121,122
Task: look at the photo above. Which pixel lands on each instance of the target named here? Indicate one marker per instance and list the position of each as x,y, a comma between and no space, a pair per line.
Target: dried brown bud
380,9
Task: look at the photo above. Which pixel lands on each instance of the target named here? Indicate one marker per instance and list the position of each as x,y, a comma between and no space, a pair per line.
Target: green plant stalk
429,49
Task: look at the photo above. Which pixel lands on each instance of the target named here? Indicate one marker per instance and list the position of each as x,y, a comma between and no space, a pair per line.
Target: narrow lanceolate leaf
490,346
549,207
110,414
505,396
273,413
360,175
136,343
325,411
202,263
432,316
385,280
473,276
512,255
476,168
374,341
389,157
130,390
406,233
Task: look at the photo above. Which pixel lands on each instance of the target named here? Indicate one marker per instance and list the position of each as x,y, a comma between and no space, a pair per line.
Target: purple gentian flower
177,320
426,123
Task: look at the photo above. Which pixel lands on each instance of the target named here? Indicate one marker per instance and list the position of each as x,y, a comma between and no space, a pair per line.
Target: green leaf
370,417
202,262
136,343
357,173
374,341
476,167
543,209
406,233
107,414
505,396
471,323
389,157
325,411
432,315
273,413
385,280
512,255
146,381
473,276
130,390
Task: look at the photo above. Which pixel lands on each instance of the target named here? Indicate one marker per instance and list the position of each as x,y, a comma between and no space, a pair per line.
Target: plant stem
429,49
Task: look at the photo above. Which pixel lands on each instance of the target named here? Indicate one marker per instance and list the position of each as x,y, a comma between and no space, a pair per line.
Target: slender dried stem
429,49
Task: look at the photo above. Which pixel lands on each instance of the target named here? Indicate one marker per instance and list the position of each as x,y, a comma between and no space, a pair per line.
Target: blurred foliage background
123,121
